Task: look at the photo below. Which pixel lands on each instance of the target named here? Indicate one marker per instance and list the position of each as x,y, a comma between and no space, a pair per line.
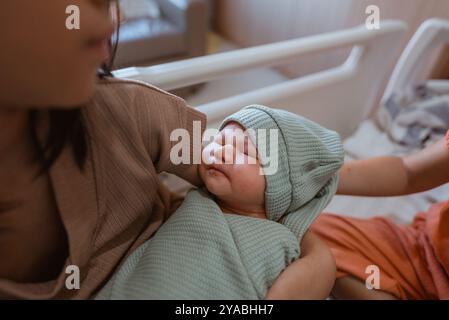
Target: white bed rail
416,61
338,98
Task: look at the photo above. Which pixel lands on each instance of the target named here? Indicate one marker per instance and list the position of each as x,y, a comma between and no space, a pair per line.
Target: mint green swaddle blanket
202,253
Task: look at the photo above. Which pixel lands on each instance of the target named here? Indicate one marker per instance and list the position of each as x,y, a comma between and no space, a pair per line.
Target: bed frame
338,98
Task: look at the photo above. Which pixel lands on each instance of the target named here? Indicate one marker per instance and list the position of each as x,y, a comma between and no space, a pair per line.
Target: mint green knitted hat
309,157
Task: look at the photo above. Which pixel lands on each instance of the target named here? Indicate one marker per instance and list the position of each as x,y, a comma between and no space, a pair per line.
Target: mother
80,154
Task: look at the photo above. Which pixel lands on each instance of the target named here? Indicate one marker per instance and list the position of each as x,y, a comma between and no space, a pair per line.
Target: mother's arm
158,115
310,277
395,176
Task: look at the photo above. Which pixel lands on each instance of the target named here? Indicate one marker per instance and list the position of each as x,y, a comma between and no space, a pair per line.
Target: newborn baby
308,157
234,237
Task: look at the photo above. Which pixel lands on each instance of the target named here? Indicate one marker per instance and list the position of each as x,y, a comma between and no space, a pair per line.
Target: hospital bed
340,98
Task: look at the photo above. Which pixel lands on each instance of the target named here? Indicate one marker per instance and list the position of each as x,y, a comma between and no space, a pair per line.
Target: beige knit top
117,202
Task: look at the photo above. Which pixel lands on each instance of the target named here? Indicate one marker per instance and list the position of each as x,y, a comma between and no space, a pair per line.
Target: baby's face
237,182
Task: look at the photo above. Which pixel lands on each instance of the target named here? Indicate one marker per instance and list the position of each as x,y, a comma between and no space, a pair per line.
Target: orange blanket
413,259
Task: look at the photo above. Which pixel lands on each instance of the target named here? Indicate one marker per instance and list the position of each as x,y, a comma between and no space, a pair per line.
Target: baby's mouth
216,170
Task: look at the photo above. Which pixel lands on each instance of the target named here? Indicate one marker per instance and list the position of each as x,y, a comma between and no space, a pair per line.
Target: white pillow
135,9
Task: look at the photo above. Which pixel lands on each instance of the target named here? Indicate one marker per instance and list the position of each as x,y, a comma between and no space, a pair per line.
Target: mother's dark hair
66,127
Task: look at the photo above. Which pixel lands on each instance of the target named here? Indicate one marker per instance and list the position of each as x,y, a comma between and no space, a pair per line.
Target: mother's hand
310,277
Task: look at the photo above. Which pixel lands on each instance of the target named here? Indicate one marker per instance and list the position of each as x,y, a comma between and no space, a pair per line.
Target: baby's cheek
249,180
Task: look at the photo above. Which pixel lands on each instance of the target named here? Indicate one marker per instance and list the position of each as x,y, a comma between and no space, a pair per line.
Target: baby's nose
216,153
225,154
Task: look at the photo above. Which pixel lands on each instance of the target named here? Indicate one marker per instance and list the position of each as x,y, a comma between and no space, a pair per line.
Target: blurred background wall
255,22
